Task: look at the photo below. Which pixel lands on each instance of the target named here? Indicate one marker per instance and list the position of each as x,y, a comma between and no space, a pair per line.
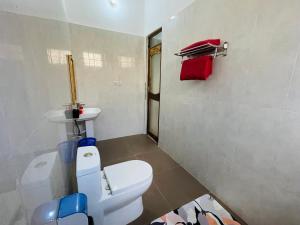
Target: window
57,56
126,62
91,59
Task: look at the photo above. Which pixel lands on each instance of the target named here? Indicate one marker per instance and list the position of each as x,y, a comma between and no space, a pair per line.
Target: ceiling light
113,2
172,17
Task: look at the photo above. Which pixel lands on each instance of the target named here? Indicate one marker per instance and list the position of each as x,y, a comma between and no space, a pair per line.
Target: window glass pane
155,74
153,116
155,40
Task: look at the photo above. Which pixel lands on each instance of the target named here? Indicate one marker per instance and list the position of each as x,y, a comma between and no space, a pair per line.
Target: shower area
34,80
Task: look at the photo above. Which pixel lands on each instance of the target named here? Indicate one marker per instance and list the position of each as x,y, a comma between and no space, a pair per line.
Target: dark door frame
150,95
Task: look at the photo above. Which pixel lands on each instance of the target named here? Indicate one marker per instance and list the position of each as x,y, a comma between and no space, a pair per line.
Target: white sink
58,116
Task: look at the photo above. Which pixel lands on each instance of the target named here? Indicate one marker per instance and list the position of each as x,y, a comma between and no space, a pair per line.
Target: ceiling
139,17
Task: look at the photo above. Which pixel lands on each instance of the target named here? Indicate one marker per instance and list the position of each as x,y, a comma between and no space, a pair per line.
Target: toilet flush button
88,155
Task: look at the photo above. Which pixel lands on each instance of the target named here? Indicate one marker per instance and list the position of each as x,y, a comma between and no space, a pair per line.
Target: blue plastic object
87,142
67,150
69,205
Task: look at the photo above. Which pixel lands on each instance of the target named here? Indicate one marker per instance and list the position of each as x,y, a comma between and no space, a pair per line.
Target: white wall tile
122,105
30,86
238,132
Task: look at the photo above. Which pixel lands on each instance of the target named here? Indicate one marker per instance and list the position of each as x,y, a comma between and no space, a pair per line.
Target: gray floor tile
179,187
154,206
172,186
159,161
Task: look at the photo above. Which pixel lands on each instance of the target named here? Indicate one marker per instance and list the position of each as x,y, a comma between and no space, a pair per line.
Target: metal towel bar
207,49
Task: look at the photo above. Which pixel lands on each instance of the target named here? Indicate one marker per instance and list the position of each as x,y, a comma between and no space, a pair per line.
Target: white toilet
41,182
114,194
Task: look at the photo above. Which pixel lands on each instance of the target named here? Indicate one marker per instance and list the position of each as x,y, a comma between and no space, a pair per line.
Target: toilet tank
88,173
41,182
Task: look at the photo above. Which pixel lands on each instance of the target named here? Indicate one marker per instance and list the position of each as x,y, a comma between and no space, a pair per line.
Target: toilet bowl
115,193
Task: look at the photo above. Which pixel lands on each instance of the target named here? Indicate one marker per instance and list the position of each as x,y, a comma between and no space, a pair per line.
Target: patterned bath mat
202,211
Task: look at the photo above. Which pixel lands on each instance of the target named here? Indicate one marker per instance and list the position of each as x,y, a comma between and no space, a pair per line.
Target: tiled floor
172,186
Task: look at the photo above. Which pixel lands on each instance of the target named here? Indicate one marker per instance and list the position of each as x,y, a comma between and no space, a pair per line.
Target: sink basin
58,116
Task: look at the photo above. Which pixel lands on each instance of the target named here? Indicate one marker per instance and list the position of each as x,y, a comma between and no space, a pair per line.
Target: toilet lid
124,176
40,169
88,161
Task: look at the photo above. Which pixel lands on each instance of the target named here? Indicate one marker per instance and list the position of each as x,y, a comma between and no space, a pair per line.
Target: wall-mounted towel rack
206,49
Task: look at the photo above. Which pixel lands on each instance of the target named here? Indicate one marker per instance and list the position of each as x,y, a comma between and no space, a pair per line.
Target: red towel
199,43
196,69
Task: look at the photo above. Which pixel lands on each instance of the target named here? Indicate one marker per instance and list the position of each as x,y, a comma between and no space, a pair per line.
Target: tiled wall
238,132
110,71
